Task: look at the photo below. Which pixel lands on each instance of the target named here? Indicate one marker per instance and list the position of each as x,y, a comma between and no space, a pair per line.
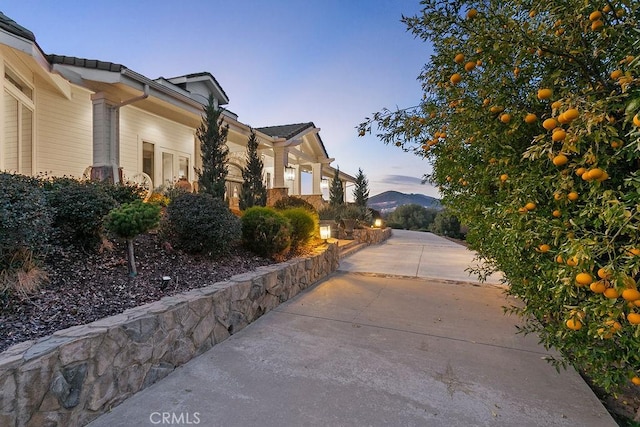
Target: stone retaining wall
71,377
372,236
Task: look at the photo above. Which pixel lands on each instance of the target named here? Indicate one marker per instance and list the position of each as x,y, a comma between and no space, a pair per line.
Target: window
183,167
168,177
16,153
148,159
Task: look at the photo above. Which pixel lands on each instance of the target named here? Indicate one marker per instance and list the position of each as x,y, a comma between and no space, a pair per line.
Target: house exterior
64,115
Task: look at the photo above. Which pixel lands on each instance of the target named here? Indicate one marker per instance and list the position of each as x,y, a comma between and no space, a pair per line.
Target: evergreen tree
336,192
253,191
212,135
361,190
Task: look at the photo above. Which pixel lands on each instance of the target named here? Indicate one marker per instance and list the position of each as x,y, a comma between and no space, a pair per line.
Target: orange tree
530,120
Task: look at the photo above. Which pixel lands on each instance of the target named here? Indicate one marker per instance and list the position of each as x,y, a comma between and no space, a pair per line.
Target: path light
377,223
165,282
325,232
289,173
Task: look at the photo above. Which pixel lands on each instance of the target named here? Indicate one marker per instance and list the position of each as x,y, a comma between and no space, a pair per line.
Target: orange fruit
580,171
544,248
560,160
583,279
633,318
556,213
455,78
472,13
459,58
595,16
557,196
634,252
571,114
558,135
603,273
616,144
469,66
530,206
636,120
522,210
598,287
505,118
504,177
616,74
611,293
556,104
574,324
635,380
596,25
631,294
606,8
595,173
573,196
572,262
550,124
530,118
613,324
559,259
496,109
544,93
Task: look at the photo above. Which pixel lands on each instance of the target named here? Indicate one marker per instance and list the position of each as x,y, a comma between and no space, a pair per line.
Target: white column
106,136
316,172
280,161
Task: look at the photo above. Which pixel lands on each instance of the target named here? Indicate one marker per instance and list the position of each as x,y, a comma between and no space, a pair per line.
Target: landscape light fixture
377,223
289,173
325,232
165,282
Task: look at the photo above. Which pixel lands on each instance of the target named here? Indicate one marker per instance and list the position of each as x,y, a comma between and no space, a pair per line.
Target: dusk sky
332,62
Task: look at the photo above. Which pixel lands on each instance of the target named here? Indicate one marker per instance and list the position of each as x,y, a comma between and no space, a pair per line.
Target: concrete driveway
399,336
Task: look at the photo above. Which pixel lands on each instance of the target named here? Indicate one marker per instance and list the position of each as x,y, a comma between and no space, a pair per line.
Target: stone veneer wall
71,377
371,236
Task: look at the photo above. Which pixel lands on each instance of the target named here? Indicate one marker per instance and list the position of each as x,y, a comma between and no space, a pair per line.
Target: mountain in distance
390,200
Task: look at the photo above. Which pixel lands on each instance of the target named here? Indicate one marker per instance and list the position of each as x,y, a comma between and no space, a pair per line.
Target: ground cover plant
530,117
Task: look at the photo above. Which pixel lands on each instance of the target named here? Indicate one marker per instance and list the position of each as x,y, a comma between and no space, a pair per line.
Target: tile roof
285,131
85,63
11,26
202,74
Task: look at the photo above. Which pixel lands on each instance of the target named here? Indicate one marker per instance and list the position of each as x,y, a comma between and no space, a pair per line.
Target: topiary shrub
265,231
79,209
25,229
293,202
303,226
130,220
200,223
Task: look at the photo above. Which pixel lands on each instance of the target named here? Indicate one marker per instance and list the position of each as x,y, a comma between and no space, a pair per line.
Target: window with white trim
16,151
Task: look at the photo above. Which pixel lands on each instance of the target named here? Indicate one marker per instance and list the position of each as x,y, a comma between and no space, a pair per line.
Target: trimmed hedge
303,225
265,231
25,220
79,208
200,223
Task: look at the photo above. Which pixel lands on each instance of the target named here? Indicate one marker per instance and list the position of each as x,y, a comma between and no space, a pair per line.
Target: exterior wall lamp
289,173
324,184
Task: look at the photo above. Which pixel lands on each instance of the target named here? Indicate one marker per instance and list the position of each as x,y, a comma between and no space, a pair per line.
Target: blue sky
332,62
